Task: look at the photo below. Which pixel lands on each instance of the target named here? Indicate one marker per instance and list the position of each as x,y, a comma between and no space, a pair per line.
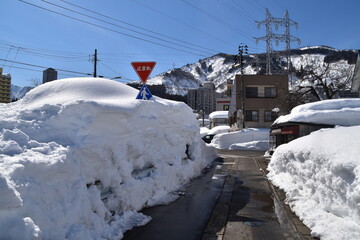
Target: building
259,100
49,75
5,87
223,104
202,98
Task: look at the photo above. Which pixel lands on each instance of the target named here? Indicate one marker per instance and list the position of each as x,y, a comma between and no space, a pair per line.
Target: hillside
219,68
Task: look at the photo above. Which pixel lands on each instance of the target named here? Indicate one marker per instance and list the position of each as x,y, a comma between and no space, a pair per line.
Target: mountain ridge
220,68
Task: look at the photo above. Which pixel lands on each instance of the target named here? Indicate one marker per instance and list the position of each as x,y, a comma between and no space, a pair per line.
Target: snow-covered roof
219,114
344,112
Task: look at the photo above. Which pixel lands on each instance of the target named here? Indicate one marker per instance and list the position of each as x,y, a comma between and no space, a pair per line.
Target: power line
184,23
132,25
112,30
126,28
231,27
33,65
236,10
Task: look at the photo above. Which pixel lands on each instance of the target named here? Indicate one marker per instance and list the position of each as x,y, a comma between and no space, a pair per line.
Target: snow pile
345,112
80,157
204,131
256,139
320,174
218,129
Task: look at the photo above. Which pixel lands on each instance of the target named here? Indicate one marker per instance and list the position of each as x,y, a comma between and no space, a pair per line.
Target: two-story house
259,100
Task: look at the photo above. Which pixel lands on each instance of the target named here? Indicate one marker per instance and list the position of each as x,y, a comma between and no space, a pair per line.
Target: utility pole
95,62
286,22
242,49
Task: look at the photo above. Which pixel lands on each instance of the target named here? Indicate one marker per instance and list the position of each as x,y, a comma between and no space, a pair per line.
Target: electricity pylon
285,22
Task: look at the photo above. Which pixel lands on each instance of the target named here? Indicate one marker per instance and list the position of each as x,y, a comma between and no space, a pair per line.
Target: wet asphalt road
231,200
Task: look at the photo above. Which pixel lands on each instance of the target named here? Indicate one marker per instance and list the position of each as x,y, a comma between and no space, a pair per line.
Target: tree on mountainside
320,80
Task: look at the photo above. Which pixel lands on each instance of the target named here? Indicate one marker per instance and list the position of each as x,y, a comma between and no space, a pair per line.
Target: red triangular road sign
143,69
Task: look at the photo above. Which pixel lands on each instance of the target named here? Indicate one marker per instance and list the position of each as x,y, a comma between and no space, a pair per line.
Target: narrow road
232,200
251,208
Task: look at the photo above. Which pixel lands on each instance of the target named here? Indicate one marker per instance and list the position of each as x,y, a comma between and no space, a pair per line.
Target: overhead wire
236,10
112,30
182,22
39,66
217,19
126,28
132,25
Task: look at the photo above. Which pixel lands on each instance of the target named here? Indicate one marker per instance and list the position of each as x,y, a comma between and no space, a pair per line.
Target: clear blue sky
53,33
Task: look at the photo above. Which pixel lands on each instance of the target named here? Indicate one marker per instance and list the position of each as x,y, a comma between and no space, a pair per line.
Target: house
311,117
257,100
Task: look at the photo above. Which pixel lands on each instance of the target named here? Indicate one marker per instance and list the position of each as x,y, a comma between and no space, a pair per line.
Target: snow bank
344,112
218,130
256,139
80,157
320,174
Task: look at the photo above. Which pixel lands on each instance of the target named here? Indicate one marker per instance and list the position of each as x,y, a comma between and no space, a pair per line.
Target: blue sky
63,34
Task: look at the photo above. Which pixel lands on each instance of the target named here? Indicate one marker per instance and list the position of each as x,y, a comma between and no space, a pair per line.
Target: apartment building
49,75
260,99
5,87
202,98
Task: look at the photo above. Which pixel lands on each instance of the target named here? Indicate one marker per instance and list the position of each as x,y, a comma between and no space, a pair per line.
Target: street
232,200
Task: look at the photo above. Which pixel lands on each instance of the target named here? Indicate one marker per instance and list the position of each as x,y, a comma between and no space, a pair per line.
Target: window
252,115
251,92
270,92
270,116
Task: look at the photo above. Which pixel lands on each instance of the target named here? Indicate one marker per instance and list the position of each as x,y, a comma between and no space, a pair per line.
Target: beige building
260,99
5,87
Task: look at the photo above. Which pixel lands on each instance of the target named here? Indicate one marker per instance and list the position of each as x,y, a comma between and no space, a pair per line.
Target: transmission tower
285,22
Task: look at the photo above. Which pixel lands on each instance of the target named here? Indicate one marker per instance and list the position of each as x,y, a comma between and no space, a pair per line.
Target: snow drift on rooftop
344,112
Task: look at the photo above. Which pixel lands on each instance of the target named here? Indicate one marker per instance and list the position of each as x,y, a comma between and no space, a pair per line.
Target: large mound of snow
320,174
344,112
256,139
80,157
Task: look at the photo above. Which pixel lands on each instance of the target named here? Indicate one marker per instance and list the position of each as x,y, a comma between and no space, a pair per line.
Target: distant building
5,87
202,98
223,104
259,100
49,75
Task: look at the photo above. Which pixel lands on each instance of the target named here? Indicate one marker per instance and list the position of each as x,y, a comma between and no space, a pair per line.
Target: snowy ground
80,157
320,173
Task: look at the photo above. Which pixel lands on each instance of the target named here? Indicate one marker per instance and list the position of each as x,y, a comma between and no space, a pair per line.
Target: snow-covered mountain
18,92
220,68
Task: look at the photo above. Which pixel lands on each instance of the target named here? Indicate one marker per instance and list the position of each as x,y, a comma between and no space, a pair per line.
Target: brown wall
261,103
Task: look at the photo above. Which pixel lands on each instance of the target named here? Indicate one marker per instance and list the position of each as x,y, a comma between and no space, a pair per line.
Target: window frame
247,119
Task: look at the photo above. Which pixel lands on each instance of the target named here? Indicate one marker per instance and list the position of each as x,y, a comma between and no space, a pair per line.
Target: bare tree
34,82
321,80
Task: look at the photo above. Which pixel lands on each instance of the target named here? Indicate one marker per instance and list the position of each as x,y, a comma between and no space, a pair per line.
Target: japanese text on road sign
143,69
